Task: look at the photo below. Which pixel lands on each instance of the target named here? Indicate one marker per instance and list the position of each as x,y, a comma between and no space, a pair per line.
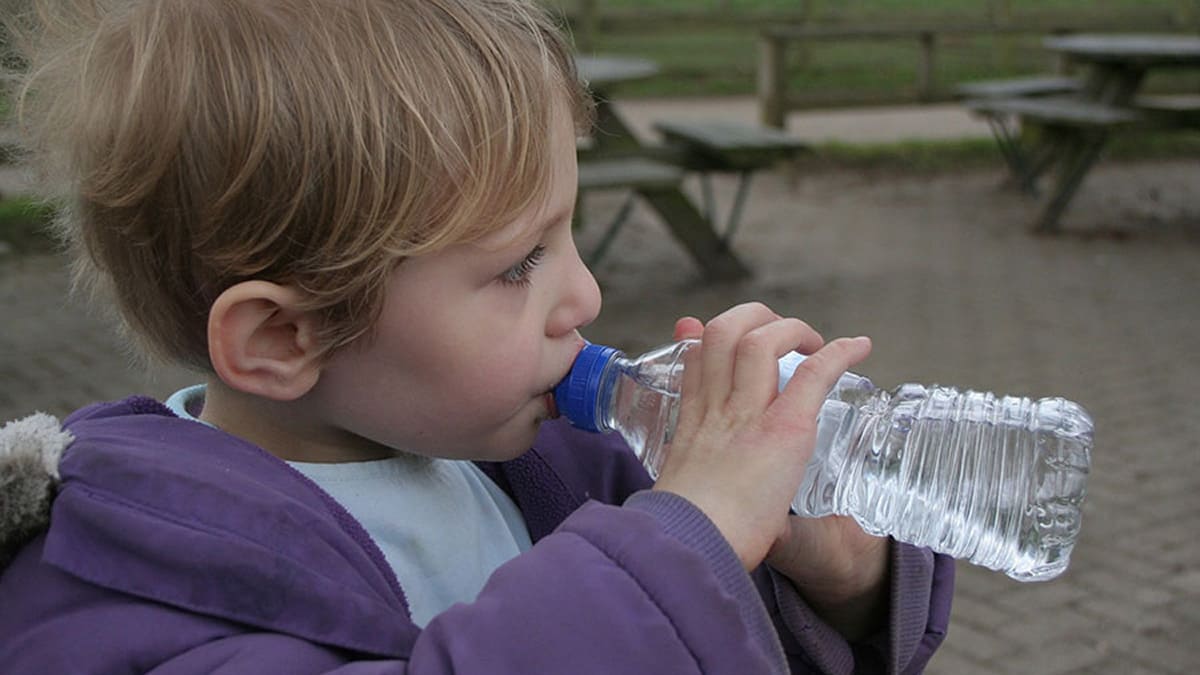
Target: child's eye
518,275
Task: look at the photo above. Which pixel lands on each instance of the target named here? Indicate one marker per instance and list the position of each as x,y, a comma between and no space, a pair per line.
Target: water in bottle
996,481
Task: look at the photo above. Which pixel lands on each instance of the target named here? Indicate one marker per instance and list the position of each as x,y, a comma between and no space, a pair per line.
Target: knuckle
793,423
718,327
798,323
802,329
822,366
759,308
752,345
815,362
843,348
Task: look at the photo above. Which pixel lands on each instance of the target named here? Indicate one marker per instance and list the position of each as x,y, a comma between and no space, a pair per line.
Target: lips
548,397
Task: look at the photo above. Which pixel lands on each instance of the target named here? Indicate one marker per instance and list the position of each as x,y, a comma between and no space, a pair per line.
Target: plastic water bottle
996,481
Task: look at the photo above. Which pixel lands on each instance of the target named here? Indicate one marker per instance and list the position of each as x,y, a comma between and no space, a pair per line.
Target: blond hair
312,143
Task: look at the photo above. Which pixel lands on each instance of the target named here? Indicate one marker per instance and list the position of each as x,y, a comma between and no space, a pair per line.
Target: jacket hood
30,450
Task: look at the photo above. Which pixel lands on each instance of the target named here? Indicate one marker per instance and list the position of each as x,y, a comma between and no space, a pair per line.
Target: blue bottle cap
576,395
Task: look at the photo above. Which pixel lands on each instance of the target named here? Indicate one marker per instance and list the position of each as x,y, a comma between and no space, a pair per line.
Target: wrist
865,575
852,598
743,537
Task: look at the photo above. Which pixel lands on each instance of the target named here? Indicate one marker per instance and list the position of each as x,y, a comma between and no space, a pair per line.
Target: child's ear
261,342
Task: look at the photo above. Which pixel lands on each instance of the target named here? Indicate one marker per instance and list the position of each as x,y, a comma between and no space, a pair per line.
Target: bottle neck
578,394
606,392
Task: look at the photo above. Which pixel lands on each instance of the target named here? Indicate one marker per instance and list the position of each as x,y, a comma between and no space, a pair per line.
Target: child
352,217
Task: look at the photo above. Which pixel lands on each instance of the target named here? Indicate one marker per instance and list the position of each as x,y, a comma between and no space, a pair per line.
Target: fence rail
775,101
804,29
589,17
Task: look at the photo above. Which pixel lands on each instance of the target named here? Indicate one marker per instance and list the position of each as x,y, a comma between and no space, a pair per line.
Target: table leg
1076,150
610,232
612,134
696,234
1009,142
739,202
1079,154
1045,151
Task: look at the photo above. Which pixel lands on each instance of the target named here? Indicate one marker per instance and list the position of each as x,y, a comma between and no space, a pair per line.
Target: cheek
506,372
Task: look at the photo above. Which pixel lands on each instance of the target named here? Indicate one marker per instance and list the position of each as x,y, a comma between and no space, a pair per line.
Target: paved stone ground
940,272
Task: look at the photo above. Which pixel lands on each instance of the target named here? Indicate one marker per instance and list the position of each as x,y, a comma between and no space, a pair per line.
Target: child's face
472,338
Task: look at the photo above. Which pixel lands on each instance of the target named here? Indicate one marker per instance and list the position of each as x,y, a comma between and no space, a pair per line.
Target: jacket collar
210,523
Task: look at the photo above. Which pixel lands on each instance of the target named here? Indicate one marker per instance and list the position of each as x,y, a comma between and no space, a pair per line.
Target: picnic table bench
700,147
1009,87
614,158
1180,111
635,174
728,147
1073,127
660,185
1073,133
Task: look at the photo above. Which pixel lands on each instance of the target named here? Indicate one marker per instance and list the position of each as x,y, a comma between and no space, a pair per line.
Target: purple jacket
176,548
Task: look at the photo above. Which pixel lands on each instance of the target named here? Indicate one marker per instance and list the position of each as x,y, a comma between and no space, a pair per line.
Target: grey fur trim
30,450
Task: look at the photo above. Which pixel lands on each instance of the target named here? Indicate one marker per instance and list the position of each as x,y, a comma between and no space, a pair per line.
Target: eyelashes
519,274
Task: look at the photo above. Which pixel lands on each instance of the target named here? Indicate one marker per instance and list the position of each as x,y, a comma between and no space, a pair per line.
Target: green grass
720,62
24,224
825,8
980,153
707,59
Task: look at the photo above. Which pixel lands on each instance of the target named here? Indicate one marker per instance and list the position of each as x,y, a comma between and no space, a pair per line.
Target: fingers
737,364
722,336
756,373
815,377
742,347
739,448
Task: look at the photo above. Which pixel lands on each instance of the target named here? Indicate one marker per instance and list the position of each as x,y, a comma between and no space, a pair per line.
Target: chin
506,441
514,445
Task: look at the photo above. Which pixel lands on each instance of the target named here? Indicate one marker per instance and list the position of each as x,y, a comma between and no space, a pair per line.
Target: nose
578,301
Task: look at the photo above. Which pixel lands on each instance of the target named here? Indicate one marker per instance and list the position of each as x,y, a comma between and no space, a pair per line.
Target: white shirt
442,525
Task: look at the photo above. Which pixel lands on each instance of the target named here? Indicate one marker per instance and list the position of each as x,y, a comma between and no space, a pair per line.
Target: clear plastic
995,481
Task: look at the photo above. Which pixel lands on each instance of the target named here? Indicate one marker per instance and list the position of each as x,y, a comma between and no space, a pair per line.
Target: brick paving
940,272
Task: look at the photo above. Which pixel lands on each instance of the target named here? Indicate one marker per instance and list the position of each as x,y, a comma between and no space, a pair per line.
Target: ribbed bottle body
996,481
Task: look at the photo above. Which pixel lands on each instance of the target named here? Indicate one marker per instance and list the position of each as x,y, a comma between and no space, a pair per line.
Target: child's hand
741,445
840,570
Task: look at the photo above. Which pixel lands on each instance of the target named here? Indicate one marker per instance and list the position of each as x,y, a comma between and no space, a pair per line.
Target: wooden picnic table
1117,65
616,158
600,71
1129,51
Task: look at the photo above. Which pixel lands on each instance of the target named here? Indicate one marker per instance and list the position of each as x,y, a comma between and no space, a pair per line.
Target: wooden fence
591,18
775,101
793,39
